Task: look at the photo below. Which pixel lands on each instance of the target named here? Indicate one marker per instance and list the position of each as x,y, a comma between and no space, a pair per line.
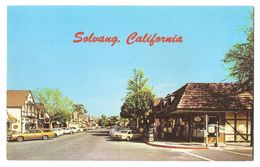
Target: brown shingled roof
16,98
211,97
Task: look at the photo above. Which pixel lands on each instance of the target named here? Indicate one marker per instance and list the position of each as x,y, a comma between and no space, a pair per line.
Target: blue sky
41,52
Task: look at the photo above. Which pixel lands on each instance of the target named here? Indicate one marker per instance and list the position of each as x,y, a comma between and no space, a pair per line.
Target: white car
68,131
115,129
91,128
58,131
75,130
127,135
81,129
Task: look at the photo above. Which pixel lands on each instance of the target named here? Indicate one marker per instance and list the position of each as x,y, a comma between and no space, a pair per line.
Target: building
21,110
220,109
79,116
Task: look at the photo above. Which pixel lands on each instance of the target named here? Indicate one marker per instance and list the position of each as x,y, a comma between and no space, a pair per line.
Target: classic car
31,134
67,130
75,130
58,131
127,135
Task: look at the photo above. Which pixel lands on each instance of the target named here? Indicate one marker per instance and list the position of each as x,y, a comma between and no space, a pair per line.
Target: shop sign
197,119
211,129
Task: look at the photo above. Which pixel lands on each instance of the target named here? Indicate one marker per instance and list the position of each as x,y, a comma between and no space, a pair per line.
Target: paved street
96,145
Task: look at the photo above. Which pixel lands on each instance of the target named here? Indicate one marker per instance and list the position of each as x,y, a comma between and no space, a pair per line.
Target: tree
114,120
139,98
103,121
241,60
58,106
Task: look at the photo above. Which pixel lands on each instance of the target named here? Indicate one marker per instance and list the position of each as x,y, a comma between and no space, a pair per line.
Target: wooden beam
235,131
190,122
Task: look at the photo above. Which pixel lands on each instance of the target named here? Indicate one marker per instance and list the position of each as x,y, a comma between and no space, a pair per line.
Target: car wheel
19,139
71,132
45,137
128,138
56,135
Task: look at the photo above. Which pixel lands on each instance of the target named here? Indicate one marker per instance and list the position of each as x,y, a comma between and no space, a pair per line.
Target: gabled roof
211,97
16,98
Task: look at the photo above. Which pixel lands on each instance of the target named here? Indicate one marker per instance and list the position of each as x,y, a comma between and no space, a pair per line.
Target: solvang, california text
133,38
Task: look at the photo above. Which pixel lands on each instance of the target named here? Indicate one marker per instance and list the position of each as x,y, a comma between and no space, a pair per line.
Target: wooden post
189,131
216,144
206,121
217,130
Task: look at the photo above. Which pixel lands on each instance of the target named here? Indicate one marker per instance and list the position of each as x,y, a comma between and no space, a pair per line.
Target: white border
131,2
3,73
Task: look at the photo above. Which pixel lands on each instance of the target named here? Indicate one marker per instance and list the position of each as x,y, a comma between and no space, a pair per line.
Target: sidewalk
199,146
178,145
236,146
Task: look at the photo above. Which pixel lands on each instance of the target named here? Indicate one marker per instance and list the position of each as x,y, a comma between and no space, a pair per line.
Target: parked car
75,130
117,131
81,129
127,135
58,131
31,134
113,129
85,129
91,128
67,130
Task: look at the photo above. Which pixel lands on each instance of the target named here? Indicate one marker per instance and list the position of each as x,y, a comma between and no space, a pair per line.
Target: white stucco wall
16,113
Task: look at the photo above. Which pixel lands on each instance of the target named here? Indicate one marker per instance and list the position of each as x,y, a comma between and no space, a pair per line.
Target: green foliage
114,120
103,121
240,59
139,98
57,105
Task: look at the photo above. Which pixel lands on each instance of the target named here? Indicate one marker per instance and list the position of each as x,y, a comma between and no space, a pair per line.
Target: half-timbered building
220,109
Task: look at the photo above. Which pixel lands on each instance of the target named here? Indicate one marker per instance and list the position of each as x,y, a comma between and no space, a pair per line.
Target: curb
177,147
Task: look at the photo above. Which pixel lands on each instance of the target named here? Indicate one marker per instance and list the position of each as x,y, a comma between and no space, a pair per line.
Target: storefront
210,113
191,127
